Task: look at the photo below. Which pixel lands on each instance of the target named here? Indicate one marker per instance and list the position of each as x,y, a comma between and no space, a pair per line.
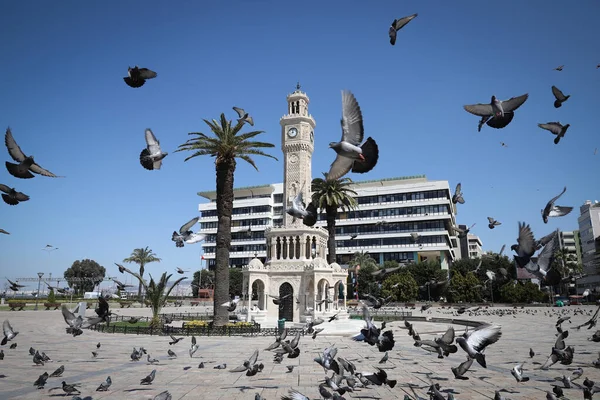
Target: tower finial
298,86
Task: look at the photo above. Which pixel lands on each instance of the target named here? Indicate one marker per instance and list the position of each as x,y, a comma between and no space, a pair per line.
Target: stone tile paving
44,330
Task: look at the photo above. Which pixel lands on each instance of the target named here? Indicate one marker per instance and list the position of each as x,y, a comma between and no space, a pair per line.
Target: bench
124,304
52,305
16,306
194,303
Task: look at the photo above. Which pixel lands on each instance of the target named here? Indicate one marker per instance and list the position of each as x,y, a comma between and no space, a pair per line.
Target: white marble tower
297,144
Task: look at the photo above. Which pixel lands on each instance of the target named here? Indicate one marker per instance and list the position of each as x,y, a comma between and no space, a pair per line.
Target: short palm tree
156,293
226,145
141,257
331,195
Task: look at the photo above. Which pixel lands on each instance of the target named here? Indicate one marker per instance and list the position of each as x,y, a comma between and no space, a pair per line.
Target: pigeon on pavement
104,385
151,157
26,163
136,77
398,24
148,380
350,154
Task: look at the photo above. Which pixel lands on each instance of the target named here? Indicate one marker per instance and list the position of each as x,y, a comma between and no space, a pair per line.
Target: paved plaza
45,331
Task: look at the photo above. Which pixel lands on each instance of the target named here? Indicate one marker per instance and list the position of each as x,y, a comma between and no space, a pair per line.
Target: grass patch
142,324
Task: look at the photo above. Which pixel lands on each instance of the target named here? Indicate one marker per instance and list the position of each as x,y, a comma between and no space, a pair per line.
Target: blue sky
62,93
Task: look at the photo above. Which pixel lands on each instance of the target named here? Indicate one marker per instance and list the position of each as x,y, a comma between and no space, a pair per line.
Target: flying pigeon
151,157
493,223
137,76
555,211
517,372
11,196
457,197
231,305
477,340
556,128
299,210
526,245
559,68
249,366
163,396
559,96
349,155
398,24
462,369
186,235
26,163
194,347
244,116
180,271
9,332
503,144
545,259
497,109
5,232
463,233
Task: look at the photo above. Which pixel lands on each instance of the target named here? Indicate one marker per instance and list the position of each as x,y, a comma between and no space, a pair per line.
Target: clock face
292,132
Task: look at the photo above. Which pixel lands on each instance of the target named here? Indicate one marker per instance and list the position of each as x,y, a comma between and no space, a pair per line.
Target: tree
365,280
202,280
91,272
156,293
331,195
425,271
226,145
51,296
236,280
463,266
566,264
401,285
141,257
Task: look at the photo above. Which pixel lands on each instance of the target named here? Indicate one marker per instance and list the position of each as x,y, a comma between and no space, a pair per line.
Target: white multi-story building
388,211
589,231
475,246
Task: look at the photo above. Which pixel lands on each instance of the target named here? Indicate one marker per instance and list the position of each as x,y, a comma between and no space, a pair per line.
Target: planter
16,306
52,305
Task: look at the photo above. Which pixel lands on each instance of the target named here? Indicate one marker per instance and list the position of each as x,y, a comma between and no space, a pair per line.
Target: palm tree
141,257
156,293
226,145
331,195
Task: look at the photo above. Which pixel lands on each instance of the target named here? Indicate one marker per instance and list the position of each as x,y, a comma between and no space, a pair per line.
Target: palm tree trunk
331,213
140,284
225,171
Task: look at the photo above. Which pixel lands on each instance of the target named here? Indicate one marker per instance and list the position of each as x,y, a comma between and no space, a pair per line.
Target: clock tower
297,144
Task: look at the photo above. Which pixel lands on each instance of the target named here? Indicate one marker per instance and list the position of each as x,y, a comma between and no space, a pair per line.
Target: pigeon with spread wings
250,365
557,129
185,234
555,211
559,96
11,196
351,156
26,164
299,210
243,116
500,110
398,24
151,157
136,77
457,197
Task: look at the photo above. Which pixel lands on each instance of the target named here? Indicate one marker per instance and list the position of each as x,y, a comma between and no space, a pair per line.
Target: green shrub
51,296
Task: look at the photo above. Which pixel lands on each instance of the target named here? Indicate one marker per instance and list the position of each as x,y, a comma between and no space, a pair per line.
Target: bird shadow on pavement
255,387
2,376
136,389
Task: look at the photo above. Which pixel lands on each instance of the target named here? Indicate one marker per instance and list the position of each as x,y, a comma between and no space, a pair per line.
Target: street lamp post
37,298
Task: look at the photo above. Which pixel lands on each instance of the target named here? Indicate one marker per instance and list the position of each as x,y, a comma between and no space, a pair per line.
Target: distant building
571,243
589,231
470,246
